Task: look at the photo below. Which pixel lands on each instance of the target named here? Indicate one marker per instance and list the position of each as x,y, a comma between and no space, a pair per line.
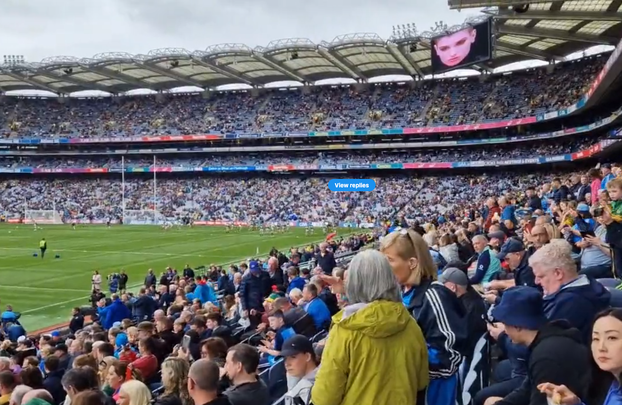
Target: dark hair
594,173
247,355
81,379
216,348
51,363
32,377
89,397
106,349
312,288
199,321
277,314
215,316
7,379
32,361
601,380
148,344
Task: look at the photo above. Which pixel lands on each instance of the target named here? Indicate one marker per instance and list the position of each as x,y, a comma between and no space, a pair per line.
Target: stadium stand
484,266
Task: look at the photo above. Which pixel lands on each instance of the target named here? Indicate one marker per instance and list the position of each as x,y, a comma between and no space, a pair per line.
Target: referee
43,246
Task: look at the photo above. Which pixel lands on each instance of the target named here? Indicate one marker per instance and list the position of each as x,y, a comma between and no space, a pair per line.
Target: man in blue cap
556,352
514,254
254,288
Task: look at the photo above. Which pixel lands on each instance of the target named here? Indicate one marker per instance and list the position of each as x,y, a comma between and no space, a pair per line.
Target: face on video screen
453,49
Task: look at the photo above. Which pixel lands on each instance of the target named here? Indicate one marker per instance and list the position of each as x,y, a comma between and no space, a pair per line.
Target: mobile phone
185,342
587,233
487,320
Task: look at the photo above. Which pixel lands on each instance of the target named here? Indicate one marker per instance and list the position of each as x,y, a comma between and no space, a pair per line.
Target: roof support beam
404,58
208,64
171,74
345,68
345,62
85,85
33,82
282,68
213,60
557,34
120,76
506,14
528,52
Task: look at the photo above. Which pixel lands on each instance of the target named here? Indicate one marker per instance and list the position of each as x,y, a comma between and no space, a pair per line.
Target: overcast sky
83,28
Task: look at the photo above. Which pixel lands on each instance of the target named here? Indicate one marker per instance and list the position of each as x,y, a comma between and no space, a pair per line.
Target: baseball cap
254,266
297,344
583,207
510,246
497,235
55,333
21,339
454,275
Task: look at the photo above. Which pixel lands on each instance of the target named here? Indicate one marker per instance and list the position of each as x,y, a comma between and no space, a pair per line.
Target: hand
495,285
490,297
261,327
593,240
253,312
582,244
495,329
263,349
183,353
559,394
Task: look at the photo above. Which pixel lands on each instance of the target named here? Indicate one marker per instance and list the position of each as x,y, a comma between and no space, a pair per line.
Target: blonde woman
438,311
134,392
174,380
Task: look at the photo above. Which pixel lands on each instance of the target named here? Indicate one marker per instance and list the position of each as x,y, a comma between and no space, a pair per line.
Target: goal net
42,217
143,217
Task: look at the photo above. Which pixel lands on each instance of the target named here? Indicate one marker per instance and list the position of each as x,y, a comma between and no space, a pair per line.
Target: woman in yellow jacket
375,353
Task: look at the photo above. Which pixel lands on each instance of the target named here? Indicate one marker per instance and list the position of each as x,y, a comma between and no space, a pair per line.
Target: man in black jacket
254,289
325,259
560,191
557,354
77,320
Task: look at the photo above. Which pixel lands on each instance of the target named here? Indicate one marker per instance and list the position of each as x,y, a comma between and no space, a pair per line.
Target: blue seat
277,380
609,282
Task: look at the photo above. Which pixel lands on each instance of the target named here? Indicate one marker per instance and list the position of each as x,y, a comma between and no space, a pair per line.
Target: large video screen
462,48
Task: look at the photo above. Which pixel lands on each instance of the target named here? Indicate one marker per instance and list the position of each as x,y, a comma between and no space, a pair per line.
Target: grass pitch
45,290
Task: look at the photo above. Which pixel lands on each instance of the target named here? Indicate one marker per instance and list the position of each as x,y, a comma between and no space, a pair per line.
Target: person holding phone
589,236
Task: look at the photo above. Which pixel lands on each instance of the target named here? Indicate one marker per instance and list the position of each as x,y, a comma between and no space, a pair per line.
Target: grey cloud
82,28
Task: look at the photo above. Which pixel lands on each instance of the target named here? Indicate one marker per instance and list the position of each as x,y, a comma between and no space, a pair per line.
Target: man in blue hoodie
567,295
115,312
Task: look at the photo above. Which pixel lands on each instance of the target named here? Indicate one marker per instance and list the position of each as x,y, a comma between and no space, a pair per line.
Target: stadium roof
547,31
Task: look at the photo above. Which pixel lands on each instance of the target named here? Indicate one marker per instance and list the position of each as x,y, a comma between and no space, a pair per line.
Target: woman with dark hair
607,372
596,177
147,363
32,377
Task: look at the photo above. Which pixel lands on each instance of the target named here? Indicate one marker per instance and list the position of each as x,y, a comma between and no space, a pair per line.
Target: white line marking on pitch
28,311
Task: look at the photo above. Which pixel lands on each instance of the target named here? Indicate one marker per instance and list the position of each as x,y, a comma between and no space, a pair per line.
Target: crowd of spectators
505,293
519,150
422,103
207,198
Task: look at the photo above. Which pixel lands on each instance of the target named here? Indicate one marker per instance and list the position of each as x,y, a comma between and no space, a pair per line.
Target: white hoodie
302,390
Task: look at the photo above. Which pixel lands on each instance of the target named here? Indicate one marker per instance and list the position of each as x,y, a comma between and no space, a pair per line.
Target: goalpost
50,217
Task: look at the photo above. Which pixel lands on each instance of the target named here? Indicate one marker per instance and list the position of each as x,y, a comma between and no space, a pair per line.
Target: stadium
180,159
